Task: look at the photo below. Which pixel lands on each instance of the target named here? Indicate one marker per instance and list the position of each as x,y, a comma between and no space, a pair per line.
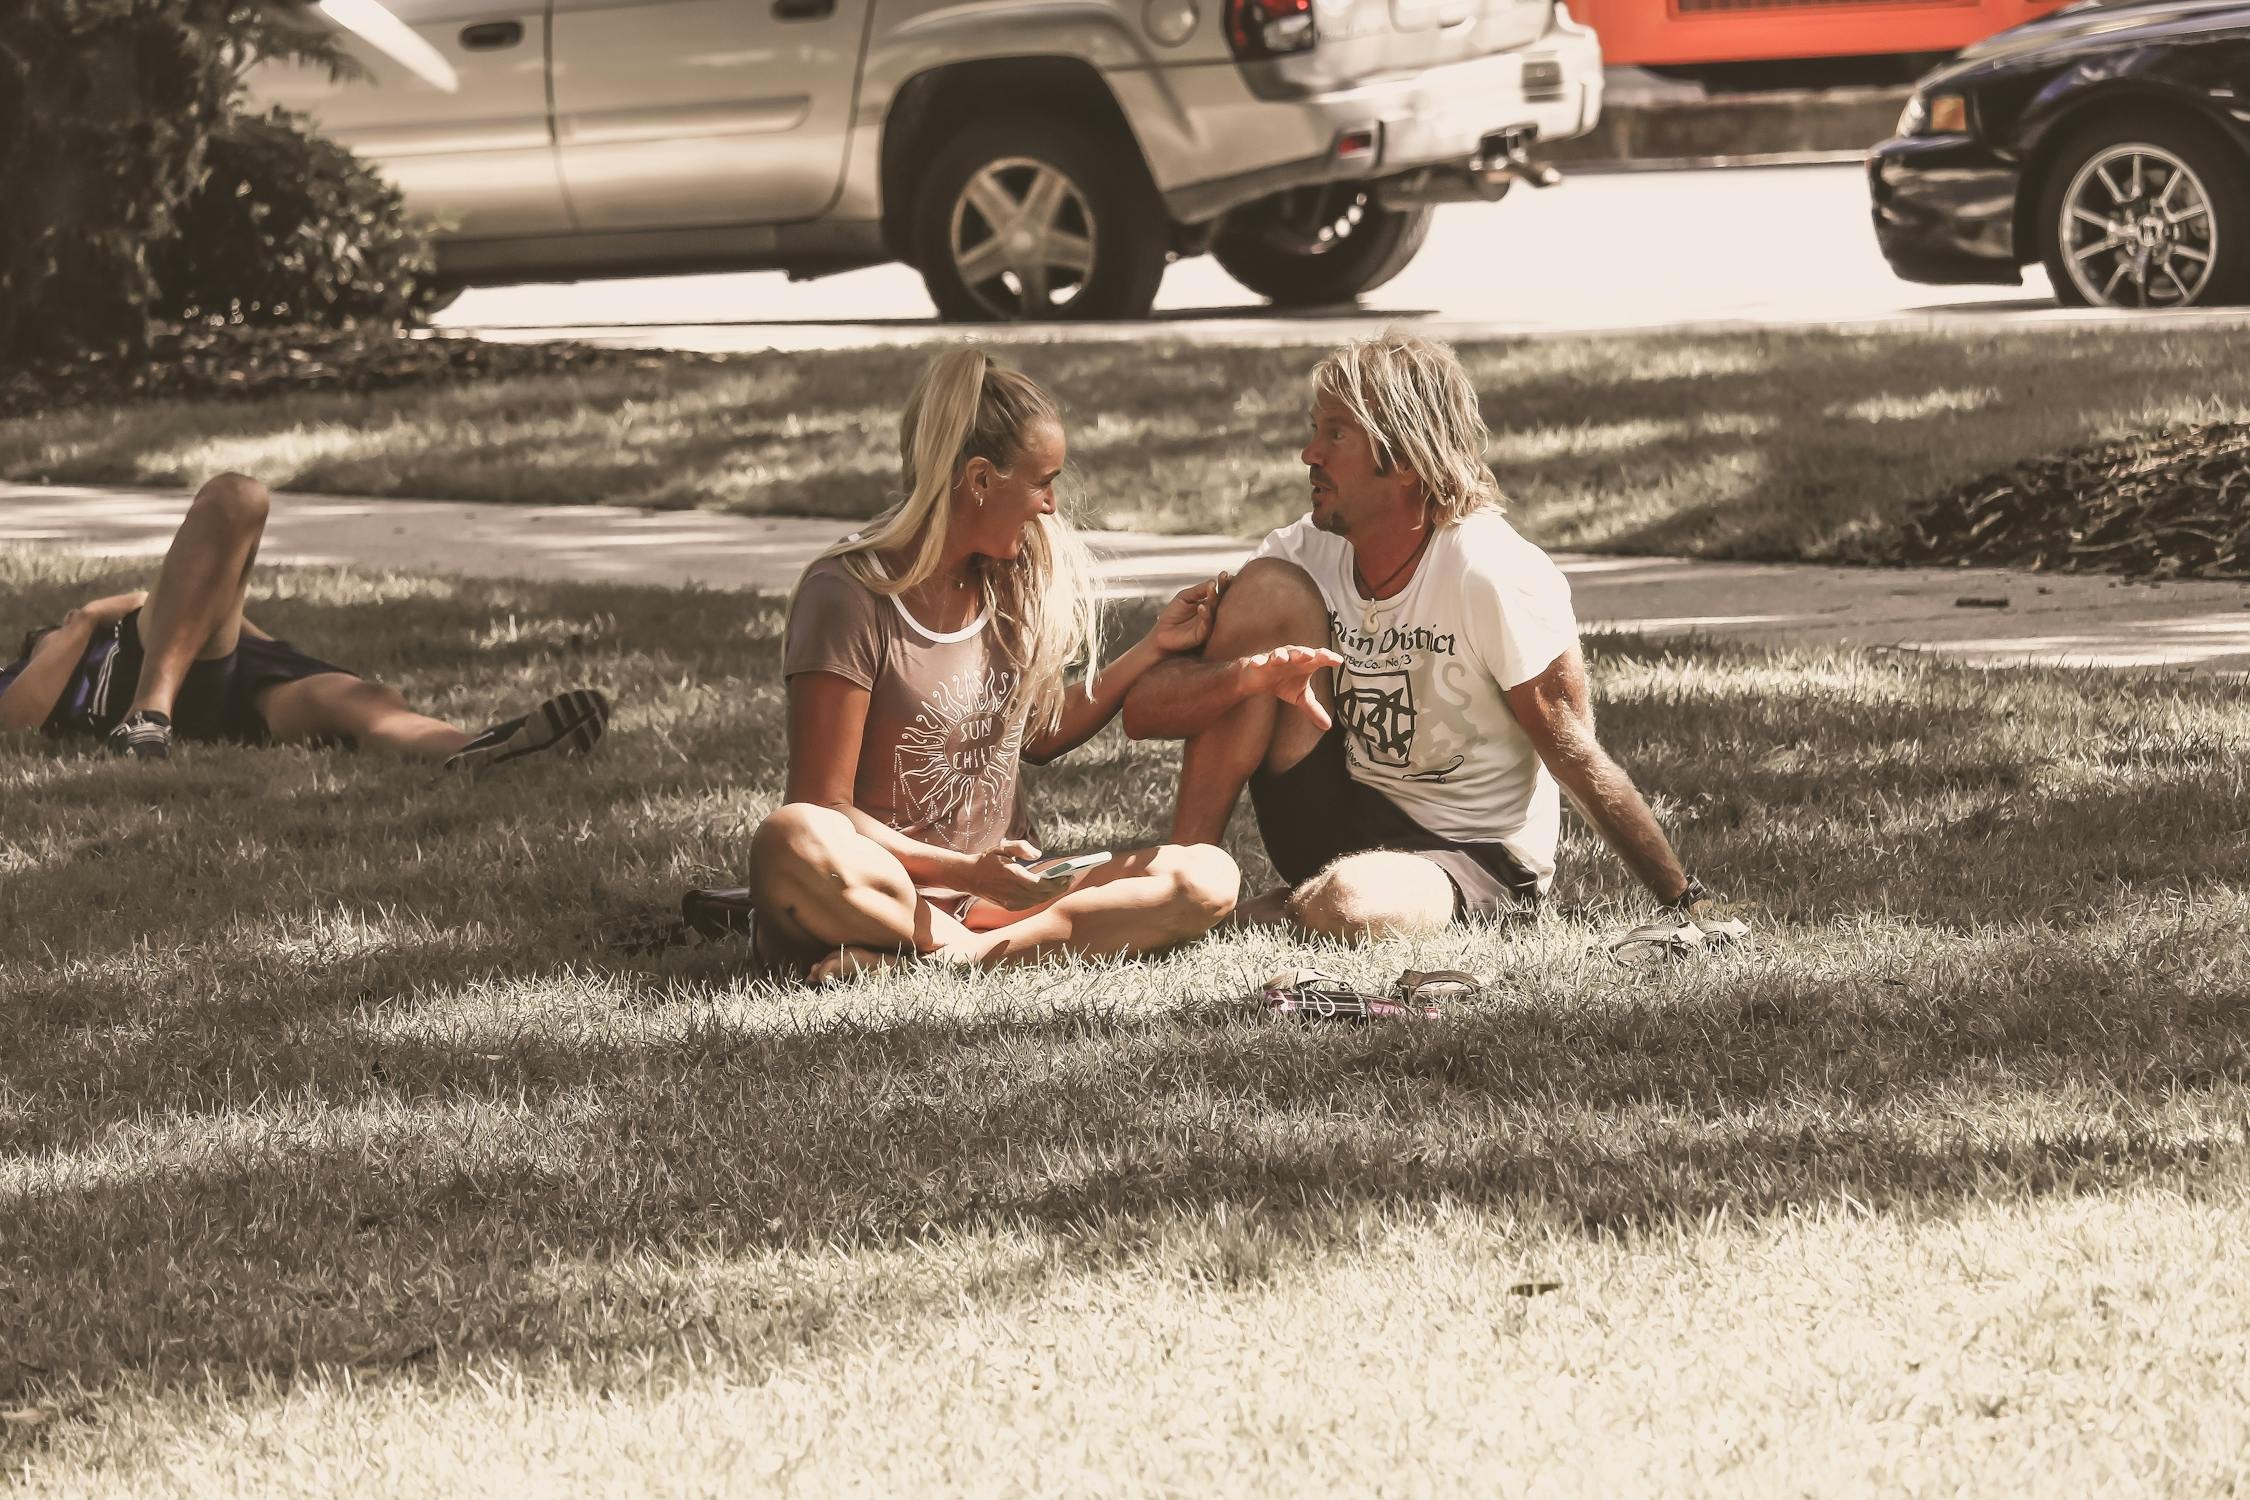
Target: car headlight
1935,114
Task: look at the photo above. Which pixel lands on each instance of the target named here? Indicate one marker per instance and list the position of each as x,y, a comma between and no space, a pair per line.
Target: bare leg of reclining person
194,610
1373,894
194,613
830,896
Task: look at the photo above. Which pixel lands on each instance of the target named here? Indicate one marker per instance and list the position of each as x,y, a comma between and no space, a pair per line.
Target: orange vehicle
1789,43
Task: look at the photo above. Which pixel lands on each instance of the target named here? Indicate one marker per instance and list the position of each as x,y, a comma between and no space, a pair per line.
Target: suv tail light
1258,29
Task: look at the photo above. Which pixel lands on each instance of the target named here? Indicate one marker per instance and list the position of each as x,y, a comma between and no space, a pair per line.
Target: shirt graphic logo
1378,708
955,764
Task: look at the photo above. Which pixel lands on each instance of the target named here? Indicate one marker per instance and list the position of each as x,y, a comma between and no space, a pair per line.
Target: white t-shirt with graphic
1421,694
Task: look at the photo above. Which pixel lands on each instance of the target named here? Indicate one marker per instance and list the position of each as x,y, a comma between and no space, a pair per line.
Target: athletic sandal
1670,935
143,734
569,722
1314,995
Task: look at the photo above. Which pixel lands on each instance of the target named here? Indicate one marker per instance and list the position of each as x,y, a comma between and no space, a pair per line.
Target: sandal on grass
707,916
1670,934
1315,995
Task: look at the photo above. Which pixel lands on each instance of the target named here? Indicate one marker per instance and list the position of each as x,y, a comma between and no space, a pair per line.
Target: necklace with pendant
1369,603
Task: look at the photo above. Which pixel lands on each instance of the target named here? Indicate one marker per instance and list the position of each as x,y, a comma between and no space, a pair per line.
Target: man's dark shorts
218,699
1315,813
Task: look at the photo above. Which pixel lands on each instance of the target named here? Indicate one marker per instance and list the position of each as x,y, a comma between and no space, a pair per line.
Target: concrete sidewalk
1981,615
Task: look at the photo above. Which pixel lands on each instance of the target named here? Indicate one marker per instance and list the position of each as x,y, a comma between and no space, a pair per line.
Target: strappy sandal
1316,995
1670,935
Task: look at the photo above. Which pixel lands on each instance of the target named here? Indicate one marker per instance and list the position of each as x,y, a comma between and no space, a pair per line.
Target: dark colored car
2110,141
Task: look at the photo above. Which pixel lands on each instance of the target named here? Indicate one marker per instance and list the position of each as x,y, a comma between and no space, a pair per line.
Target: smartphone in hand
1067,867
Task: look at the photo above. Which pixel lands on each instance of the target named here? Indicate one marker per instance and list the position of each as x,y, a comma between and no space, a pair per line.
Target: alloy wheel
1022,239
2137,229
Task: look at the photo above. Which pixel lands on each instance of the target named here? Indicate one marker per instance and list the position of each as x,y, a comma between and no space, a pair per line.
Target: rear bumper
1443,116
1945,211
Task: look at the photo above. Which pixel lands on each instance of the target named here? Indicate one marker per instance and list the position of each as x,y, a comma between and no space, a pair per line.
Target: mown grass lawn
1759,445
331,1161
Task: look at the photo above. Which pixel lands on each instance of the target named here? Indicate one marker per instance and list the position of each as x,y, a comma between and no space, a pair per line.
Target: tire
1317,245
1102,235
2186,208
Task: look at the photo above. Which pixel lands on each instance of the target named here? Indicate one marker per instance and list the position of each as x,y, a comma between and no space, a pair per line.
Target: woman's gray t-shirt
940,756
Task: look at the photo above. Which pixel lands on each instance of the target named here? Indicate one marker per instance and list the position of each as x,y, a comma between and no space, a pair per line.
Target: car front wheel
2142,213
1315,245
1023,219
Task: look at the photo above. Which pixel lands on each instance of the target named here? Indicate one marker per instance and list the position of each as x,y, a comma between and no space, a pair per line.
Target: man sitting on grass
1433,660
180,661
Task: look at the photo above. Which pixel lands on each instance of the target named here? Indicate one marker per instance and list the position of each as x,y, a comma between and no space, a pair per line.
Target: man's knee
1270,603
239,500
1205,885
1379,894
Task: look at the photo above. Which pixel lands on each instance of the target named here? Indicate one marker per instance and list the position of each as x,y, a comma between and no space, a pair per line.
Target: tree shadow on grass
426,1201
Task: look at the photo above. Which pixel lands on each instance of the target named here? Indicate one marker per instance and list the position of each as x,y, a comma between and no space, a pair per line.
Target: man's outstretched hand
1286,672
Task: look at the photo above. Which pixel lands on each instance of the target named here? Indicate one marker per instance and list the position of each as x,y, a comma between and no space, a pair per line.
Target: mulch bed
247,363
2173,503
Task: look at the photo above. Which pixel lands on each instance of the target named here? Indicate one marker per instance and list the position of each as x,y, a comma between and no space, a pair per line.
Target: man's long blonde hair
1419,408
1043,603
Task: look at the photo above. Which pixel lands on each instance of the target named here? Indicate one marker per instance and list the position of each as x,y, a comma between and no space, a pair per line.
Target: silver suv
1031,158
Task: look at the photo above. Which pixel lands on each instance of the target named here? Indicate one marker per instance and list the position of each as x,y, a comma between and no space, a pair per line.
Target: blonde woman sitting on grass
926,658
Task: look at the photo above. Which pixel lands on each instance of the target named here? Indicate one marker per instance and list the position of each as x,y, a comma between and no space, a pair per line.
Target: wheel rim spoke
1043,202
989,198
1070,252
2089,217
2100,247
2176,282
2194,211
2137,172
2116,195
1037,299
2189,252
984,263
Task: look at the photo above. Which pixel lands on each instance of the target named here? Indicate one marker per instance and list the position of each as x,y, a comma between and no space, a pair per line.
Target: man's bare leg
337,705
194,611
1268,604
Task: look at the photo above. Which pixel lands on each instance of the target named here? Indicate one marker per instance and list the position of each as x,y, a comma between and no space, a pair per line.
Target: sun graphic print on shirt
955,764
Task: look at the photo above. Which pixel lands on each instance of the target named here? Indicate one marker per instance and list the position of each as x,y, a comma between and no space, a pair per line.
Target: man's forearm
1610,801
26,702
1184,696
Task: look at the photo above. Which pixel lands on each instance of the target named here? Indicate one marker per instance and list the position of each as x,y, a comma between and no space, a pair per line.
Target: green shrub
290,228
107,110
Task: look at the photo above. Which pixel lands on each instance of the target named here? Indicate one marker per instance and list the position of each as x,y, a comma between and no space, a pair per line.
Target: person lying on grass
926,659
180,661
1429,660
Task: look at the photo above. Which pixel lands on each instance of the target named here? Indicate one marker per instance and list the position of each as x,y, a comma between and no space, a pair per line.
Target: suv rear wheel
1318,244
1022,218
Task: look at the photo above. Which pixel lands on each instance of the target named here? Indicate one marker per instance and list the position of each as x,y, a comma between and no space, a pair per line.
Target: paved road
1602,251
1980,615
